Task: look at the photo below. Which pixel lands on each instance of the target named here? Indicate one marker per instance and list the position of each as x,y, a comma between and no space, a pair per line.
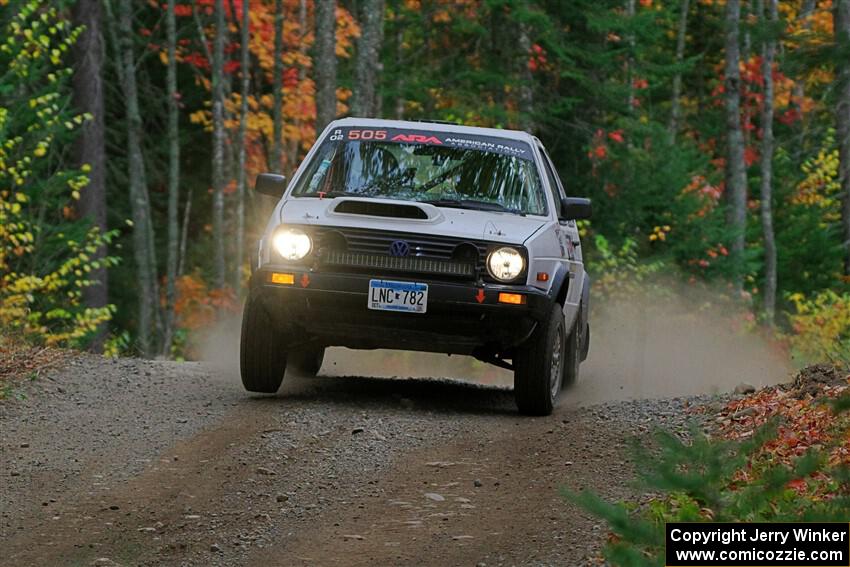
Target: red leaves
616,136
183,10
805,424
537,58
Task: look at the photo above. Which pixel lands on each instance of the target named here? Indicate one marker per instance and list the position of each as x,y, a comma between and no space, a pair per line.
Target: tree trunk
325,63
184,233
243,126
768,56
90,146
143,246
218,178
736,172
526,90
368,64
173,177
842,118
399,81
675,107
630,60
276,160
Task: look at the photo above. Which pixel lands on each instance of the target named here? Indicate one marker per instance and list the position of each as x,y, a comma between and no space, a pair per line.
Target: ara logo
417,138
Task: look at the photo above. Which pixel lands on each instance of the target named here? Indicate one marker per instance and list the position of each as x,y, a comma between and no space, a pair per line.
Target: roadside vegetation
713,137
779,454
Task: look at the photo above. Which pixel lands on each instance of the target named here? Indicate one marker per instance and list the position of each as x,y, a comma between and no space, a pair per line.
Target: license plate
387,295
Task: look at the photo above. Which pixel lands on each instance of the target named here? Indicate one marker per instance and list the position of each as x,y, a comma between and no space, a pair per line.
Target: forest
713,137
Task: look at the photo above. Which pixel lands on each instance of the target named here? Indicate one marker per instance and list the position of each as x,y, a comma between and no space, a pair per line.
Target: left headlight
292,243
505,264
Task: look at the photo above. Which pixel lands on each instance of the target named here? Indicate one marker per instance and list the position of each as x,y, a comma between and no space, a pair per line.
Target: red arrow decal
480,296
305,280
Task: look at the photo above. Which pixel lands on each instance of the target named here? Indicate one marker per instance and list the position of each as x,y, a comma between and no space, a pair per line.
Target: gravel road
130,462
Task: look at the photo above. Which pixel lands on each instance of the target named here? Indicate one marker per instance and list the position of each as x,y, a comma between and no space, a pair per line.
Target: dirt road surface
131,462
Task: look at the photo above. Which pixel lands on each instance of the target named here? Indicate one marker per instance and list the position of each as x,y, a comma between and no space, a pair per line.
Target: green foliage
618,273
821,327
45,255
714,480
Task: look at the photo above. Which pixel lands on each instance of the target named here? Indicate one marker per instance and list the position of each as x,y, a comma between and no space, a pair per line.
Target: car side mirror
271,184
575,208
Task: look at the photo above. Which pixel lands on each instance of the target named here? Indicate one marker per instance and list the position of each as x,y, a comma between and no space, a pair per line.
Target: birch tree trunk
736,172
368,64
173,177
768,56
218,140
243,125
276,160
842,118
90,146
325,62
681,38
144,253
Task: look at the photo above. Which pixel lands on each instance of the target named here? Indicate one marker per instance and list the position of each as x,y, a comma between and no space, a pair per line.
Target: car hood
461,223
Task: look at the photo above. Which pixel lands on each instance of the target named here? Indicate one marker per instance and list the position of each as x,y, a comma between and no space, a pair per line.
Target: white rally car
421,236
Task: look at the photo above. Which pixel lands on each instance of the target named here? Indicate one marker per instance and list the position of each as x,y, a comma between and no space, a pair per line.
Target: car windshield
470,172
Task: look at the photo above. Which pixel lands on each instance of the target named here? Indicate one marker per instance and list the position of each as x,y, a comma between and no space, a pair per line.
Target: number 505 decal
367,134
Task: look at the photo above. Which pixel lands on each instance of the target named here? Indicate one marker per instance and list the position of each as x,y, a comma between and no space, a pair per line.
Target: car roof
434,127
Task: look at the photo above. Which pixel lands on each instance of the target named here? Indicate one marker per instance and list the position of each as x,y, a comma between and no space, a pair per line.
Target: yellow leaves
202,117
820,187
821,326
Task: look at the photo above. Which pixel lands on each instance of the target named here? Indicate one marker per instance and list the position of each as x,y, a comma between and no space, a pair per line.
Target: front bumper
330,309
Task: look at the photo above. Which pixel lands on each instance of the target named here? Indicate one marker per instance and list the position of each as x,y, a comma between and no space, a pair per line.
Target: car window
440,168
554,183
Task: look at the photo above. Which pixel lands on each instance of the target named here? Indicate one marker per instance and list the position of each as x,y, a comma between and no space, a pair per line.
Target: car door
568,237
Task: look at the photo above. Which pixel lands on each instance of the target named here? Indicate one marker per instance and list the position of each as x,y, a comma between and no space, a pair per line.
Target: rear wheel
262,358
574,354
307,360
539,366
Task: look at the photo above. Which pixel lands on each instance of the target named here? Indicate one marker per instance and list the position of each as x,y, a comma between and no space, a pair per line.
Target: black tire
307,360
585,342
537,382
574,354
262,358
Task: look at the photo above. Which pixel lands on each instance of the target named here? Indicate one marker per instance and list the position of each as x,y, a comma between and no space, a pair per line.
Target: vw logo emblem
399,248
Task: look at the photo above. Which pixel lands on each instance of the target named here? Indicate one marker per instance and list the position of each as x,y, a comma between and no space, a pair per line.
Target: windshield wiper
472,204
330,194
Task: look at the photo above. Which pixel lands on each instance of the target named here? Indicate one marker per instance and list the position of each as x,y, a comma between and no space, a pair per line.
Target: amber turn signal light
542,277
284,279
512,298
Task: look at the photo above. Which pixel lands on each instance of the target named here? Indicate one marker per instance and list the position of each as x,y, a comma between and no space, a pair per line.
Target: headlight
505,264
292,243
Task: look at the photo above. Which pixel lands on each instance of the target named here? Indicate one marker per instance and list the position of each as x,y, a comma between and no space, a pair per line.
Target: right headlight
505,263
292,243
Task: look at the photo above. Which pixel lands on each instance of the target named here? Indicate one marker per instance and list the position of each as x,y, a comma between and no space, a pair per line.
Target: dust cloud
643,348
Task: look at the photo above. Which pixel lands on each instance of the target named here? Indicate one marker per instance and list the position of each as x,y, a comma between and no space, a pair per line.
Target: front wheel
539,366
262,359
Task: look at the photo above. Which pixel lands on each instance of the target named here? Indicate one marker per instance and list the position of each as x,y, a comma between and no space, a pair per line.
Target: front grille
399,264
358,248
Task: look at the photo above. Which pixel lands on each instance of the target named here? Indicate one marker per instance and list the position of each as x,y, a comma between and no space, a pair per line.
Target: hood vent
373,209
